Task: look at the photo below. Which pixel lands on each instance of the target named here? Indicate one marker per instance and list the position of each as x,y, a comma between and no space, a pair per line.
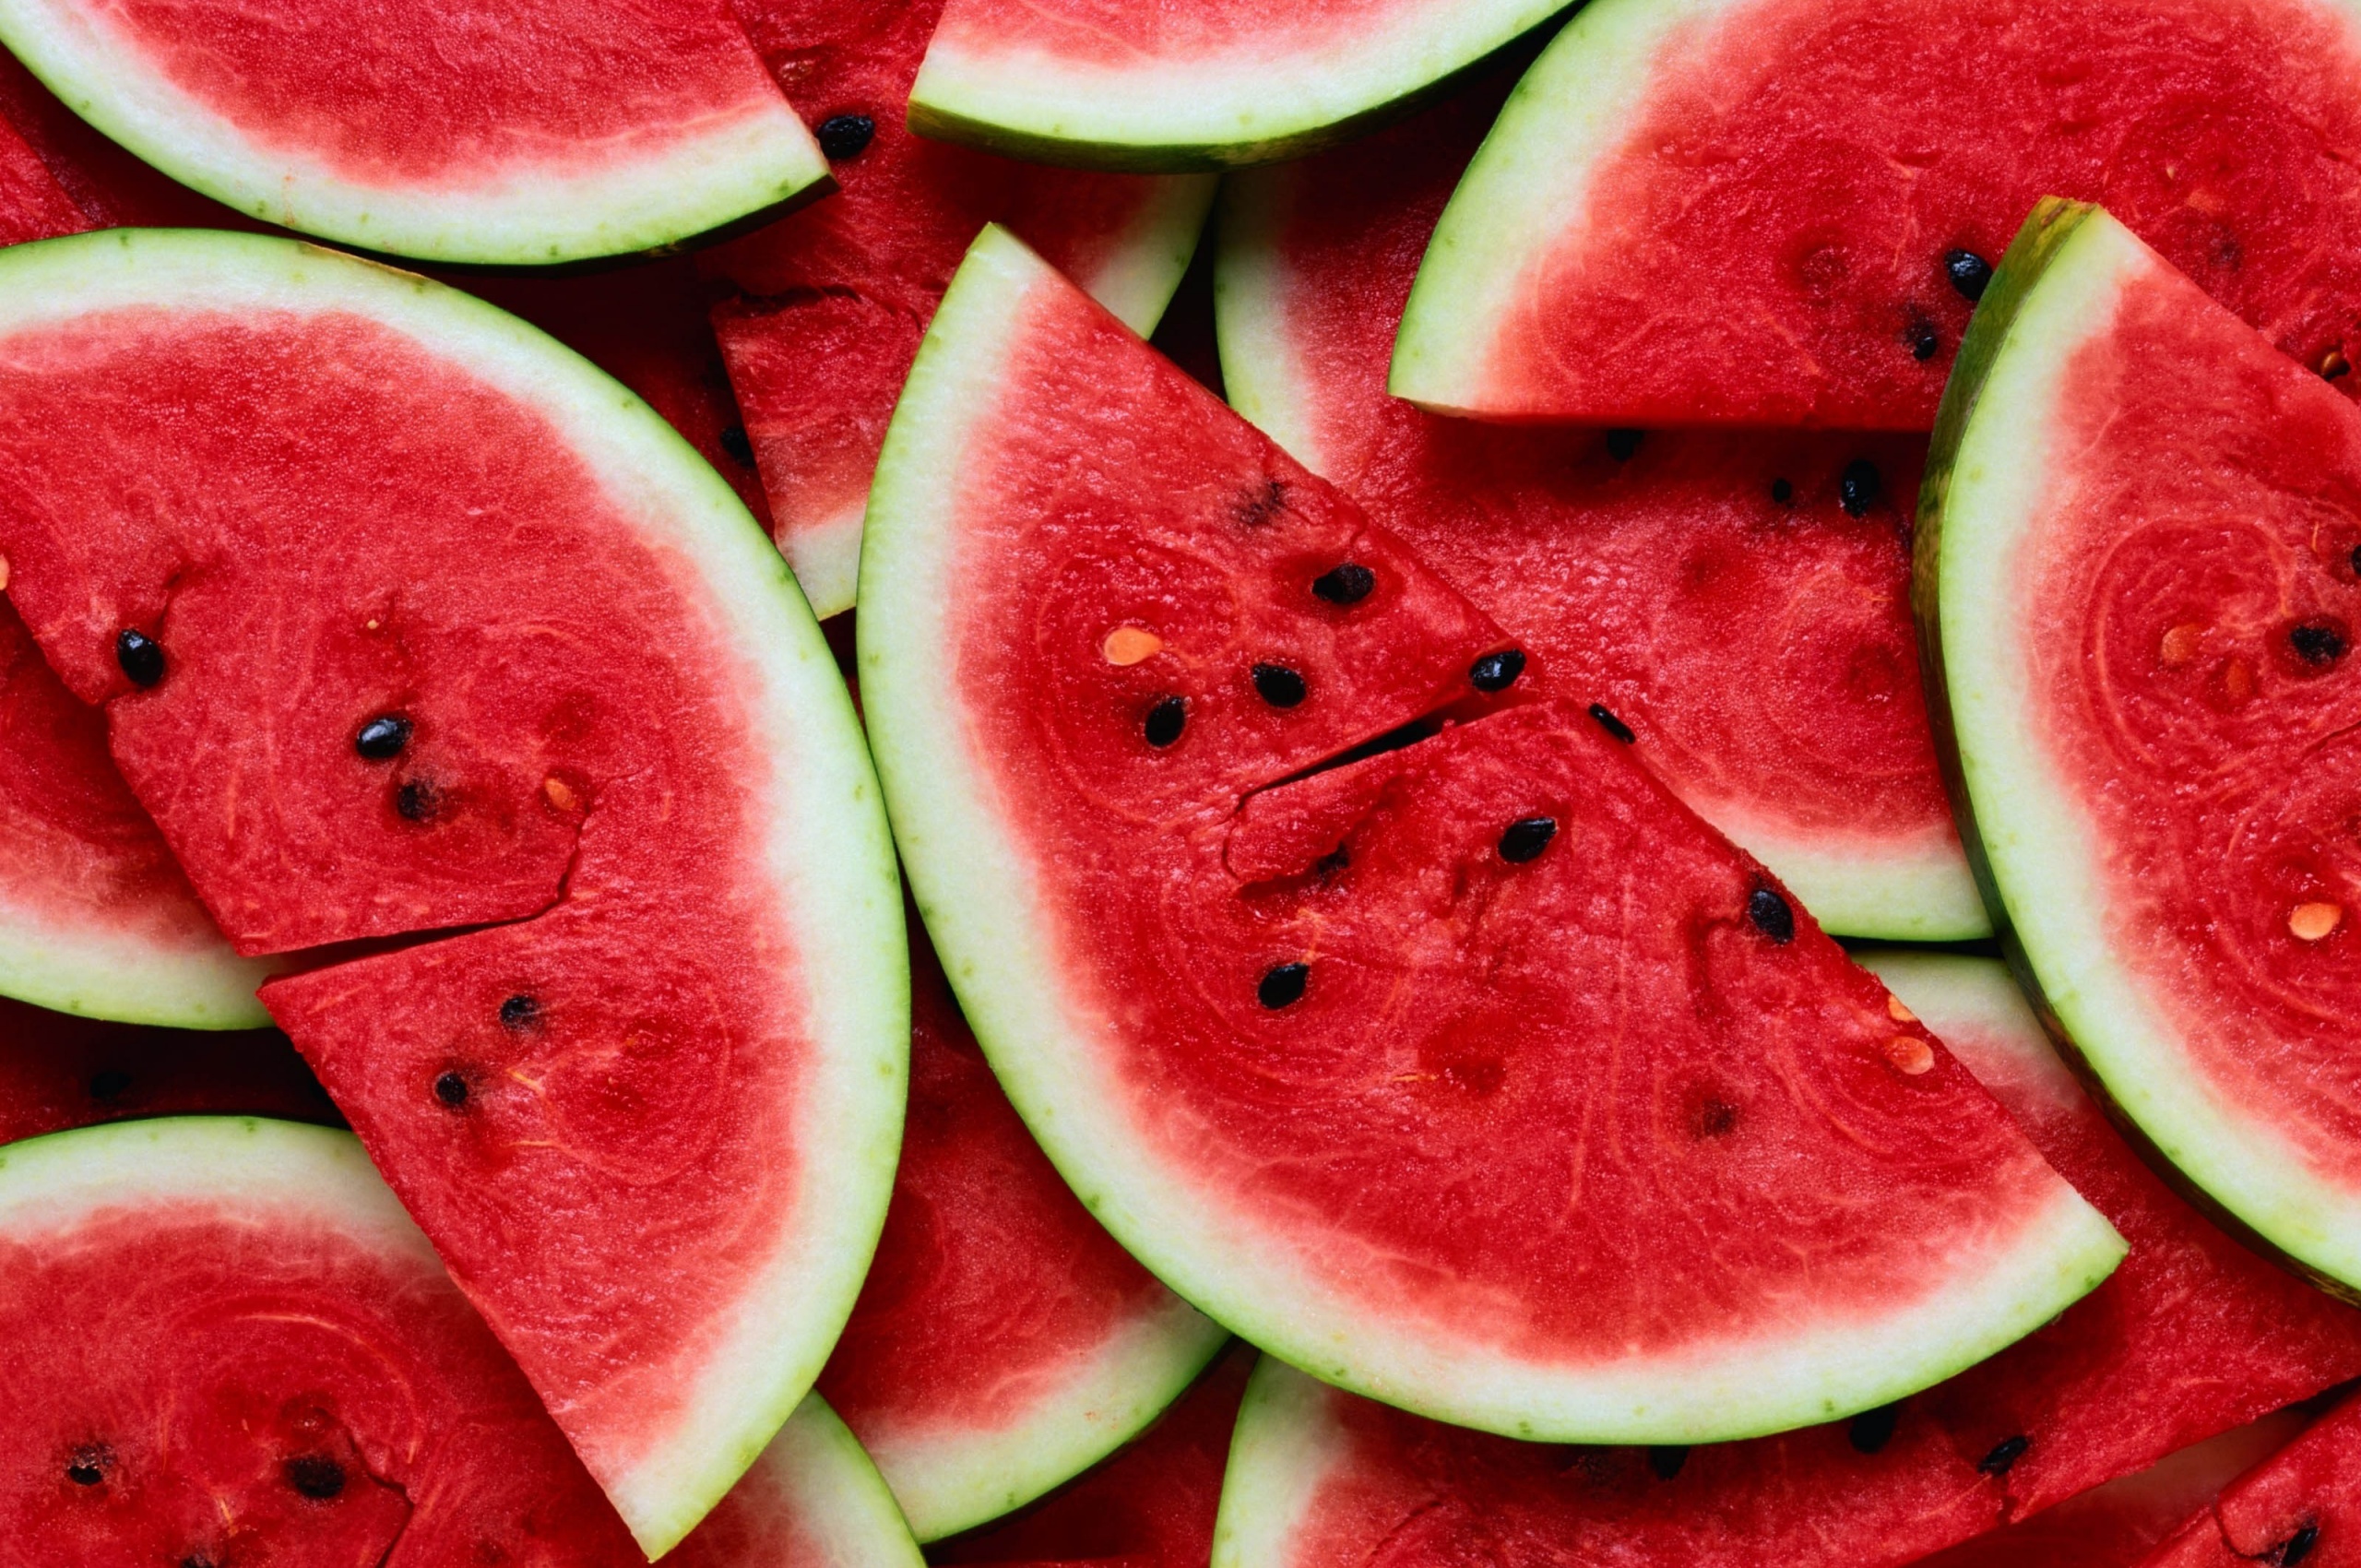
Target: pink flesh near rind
1766,243
1113,33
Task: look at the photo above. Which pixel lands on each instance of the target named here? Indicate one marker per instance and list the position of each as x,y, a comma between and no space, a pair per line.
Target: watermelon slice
830,302
228,1345
33,206
2137,565
2301,1505
1739,603
1003,1343
543,131
1782,211
406,620
2191,1336
1103,84
59,1072
1320,1044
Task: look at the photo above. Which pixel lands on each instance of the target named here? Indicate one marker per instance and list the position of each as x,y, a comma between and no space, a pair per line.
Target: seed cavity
1667,1462
2296,1548
1612,725
141,656
2313,922
1127,646
2179,646
1621,444
1261,504
451,1089
383,738
1770,915
89,1465
109,1083
1526,838
416,800
316,1476
1898,1011
1279,687
1858,487
2237,680
1497,671
1969,273
2005,1453
1782,492
2317,644
1715,1119
1166,721
519,1012
1283,986
1872,1430
846,135
741,447
1346,584
1910,1053
1924,340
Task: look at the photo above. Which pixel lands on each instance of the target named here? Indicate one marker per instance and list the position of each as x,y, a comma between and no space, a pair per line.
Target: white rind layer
980,896
824,843
1286,1445
1252,104
815,1473
2042,849
1974,1008
739,164
127,975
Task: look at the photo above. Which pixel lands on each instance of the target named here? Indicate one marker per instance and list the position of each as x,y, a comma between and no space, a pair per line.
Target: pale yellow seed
2180,645
4,574
2312,921
1897,1012
561,794
1128,645
2237,680
1910,1053
372,626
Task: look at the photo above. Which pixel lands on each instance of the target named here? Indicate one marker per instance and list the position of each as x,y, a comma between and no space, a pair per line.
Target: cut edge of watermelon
952,1485
126,978
1951,989
816,1473
1568,114
2025,835
716,177
828,848
974,891
1226,112
1286,1443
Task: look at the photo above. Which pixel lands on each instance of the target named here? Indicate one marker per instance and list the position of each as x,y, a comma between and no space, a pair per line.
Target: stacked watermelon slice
1728,481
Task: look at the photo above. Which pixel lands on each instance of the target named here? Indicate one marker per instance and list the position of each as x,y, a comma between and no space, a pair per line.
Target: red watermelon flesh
58,1071
110,185
1739,601
1152,1506
2302,1504
33,206
832,300
1741,210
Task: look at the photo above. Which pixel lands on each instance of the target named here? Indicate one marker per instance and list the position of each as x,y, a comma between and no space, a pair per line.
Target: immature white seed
1910,1053
1897,1012
1126,645
2312,921
559,793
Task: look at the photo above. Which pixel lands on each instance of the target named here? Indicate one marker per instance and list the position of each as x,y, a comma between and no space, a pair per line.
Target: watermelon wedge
2191,1336
1738,603
33,206
58,1072
405,621
2136,579
2302,1504
1003,1343
828,305
228,1345
1319,1043
1782,211
544,131
1102,84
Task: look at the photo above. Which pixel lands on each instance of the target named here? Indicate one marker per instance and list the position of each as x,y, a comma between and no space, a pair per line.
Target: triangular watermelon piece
405,619
1781,212
1738,603
2302,1504
1391,1066
2191,1336
2137,567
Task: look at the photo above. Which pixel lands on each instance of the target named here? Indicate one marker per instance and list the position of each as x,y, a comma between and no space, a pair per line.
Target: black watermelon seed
108,1083
1667,1462
1497,671
1924,340
2316,644
1279,687
1858,487
1166,721
519,1011
2296,1548
316,1476
1872,1430
196,1560
1969,273
1782,491
1332,863
383,738
89,1464
416,800
1770,915
1283,987
1347,584
1526,838
1622,443
846,135
1612,725
735,442
451,1089
2354,560
2005,1453
141,655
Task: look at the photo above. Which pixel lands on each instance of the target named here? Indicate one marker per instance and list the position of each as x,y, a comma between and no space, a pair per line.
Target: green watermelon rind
975,890
125,978
2025,839
1921,893
708,182
1286,1445
1230,115
828,848
816,1473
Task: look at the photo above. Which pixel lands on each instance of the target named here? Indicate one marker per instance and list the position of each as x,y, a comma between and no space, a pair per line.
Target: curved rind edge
816,1472
1286,1443
121,979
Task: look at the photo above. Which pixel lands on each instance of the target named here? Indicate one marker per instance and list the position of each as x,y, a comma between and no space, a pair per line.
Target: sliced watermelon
830,302
33,206
405,619
1782,211
2137,569
109,185
1105,84
2192,1336
543,131
59,1072
228,1345
1003,1343
1325,1053
2302,1504
1739,603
